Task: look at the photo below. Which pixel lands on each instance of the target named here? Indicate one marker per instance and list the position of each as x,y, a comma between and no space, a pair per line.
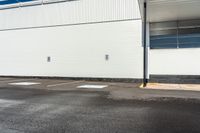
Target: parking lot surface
76,106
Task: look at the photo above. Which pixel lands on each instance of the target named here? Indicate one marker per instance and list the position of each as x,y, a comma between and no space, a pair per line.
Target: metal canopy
171,10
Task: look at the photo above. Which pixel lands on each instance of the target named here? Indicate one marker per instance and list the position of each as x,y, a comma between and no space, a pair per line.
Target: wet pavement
66,109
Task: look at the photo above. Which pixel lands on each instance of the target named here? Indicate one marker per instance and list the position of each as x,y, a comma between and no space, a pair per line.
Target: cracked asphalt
39,110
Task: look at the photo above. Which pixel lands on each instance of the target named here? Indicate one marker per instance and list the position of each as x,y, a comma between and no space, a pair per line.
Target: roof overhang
171,10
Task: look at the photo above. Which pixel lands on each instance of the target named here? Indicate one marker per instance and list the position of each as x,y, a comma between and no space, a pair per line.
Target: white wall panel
72,12
9,19
76,51
175,61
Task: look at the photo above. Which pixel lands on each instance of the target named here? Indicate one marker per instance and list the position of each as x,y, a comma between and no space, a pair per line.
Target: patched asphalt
35,110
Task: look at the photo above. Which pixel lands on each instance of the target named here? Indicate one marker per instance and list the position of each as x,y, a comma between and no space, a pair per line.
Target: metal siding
75,51
72,12
175,61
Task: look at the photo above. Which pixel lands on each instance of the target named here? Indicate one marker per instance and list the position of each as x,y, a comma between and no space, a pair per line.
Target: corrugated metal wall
75,50
71,12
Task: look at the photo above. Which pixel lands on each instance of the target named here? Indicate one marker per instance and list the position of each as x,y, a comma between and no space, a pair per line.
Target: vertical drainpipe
145,69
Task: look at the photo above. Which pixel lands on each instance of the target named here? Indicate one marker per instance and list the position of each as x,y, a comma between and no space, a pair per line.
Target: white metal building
98,38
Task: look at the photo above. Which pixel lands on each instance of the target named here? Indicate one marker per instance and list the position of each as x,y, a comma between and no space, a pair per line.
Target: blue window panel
7,2
190,45
163,42
163,39
163,46
170,41
189,38
26,0
189,41
188,35
163,36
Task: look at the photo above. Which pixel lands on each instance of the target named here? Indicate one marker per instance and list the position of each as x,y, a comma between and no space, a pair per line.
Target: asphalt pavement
38,110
